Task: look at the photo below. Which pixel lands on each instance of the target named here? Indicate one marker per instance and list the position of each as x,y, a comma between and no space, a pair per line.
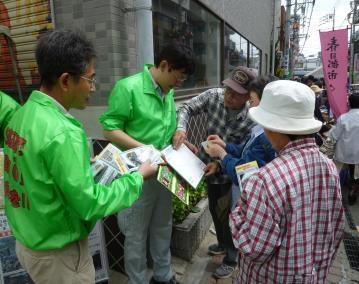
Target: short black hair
257,85
63,51
178,56
354,101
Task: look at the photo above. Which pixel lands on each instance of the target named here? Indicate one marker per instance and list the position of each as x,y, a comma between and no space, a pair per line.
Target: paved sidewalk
199,270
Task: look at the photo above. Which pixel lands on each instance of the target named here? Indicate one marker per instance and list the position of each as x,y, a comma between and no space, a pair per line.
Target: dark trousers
217,193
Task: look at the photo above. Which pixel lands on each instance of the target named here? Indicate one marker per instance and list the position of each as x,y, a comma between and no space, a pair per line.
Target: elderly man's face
233,100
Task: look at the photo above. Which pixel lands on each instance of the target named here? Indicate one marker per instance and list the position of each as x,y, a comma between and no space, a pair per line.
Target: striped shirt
289,221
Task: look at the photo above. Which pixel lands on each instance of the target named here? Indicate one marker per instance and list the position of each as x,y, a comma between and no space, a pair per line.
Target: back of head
258,84
178,56
63,51
354,101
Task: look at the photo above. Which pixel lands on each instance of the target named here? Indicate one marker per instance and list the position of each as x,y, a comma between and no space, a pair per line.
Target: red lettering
14,141
7,189
14,199
15,173
7,164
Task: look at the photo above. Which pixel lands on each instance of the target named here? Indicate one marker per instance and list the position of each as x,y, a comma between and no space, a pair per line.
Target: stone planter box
187,236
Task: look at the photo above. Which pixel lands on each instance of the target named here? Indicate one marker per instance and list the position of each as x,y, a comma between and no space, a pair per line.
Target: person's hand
215,139
211,169
215,150
178,138
192,147
147,170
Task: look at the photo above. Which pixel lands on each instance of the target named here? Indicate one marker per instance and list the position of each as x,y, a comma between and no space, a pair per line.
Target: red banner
334,46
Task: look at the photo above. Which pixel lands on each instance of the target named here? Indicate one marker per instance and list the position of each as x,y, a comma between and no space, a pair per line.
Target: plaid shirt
232,129
289,221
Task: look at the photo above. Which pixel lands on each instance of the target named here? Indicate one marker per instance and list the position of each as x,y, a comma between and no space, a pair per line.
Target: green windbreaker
51,199
135,108
7,108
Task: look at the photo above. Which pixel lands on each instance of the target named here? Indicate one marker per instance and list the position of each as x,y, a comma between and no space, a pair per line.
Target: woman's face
254,99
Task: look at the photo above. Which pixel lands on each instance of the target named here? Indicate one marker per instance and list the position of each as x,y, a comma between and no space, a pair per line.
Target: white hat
286,107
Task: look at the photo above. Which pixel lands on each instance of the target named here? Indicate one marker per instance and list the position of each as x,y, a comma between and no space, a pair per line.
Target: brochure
244,171
133,158
105,168
185,163
174,183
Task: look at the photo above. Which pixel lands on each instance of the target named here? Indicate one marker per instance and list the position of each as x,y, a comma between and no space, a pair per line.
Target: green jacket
135,108
7,108
51,199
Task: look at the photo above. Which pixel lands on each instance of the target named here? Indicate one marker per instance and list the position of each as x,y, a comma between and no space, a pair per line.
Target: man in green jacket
51,200
142,111
7,108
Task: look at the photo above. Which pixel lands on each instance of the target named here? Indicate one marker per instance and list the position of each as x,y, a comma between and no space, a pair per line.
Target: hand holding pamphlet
133,158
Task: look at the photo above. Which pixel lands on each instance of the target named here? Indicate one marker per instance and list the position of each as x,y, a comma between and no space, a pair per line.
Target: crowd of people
283,225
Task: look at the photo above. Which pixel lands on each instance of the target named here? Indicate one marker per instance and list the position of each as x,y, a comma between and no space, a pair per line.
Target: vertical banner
334,45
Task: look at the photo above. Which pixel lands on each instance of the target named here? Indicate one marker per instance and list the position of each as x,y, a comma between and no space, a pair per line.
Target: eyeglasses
180,78
92,81
231,92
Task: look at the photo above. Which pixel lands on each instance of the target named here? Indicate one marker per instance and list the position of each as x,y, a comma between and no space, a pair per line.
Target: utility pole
352,77
294,40
287,40
333,18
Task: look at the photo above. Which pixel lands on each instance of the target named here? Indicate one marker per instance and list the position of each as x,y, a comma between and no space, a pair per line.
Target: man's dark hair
63,51
178,56
354,101
257,85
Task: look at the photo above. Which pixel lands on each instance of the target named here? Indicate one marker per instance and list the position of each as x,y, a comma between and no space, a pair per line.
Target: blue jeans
150,215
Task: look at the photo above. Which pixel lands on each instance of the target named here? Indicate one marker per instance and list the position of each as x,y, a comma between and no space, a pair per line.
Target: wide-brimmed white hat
286,107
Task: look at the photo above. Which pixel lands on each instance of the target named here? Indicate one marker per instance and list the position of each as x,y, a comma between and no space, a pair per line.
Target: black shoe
172,281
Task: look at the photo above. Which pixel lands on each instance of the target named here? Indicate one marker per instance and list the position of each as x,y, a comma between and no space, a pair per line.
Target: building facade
128,33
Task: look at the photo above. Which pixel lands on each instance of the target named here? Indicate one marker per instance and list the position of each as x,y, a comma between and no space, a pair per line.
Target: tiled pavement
199,270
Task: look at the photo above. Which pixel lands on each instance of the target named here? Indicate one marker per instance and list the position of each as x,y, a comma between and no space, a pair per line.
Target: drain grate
351,244
351,239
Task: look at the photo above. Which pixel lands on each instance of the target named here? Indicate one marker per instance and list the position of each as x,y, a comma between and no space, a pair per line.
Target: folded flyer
185,163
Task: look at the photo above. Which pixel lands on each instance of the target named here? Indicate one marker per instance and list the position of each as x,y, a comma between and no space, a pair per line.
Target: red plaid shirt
289,221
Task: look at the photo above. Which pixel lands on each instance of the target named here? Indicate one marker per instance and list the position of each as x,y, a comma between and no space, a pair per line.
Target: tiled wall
111,29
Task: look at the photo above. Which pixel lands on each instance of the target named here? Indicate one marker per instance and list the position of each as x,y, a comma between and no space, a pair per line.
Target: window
187,21
254,58
235,50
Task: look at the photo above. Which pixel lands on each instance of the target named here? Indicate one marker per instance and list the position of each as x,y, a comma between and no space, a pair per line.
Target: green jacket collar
148,86
44,99
148,82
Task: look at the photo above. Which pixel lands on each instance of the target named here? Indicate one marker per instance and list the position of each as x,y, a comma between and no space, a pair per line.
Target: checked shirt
231,128
289,221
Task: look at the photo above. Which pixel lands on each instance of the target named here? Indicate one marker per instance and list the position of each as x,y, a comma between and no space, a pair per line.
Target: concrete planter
187,236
